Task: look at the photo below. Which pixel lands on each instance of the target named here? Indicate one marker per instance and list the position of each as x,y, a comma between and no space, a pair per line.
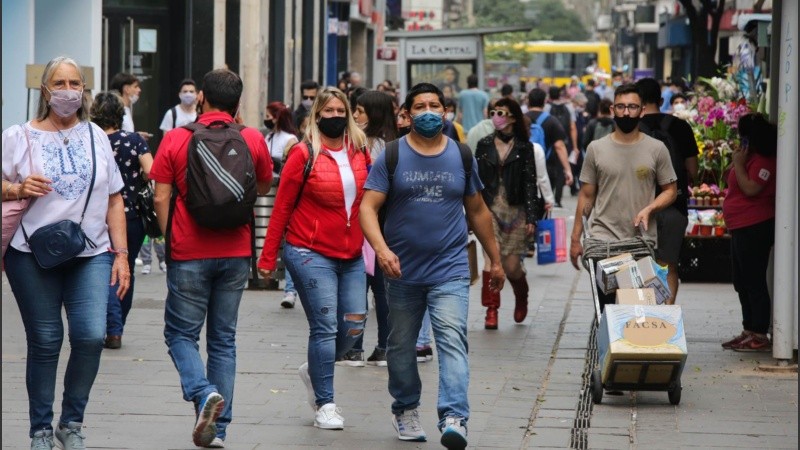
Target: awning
731,17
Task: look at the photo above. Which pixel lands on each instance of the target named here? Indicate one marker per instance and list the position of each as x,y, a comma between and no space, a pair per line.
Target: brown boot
520,287
491,300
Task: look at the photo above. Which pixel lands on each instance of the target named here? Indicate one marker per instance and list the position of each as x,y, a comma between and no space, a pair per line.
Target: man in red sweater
208,268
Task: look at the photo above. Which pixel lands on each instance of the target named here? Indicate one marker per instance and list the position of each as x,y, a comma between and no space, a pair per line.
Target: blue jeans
376,283
333,294
289,284
198,291
118,309
424,337
448,304
82,290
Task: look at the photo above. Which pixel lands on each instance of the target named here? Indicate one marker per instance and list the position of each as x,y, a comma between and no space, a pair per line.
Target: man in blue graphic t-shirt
423,257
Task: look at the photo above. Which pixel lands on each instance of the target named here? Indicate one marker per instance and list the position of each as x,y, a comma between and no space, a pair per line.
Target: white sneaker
454,433
288,300
163,266
328,417
312,398
139,262
216,443
408,426
146,269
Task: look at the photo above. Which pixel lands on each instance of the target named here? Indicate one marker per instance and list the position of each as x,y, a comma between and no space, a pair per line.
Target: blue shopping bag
551,241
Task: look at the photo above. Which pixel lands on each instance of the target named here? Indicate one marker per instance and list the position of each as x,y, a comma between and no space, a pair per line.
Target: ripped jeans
334,296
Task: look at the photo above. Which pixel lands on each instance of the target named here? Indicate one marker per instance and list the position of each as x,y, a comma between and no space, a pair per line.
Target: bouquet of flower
714,117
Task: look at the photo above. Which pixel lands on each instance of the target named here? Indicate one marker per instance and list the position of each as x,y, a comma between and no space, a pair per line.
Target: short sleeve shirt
181,118
425,223
70,169
473,102
742,211
553,131
625,176
127,148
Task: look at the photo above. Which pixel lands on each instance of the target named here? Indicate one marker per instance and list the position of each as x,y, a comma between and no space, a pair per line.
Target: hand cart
593,251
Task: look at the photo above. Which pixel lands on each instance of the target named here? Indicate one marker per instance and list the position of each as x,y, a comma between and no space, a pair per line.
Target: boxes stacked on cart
641,333
622,272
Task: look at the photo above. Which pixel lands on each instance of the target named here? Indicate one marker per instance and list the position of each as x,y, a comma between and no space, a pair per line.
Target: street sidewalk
525,390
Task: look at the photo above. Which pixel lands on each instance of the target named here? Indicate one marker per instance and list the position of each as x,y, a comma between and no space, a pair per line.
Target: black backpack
662,134
220,176
561,112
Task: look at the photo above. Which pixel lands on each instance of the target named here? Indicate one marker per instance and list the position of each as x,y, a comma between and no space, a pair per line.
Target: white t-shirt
127,120
181,118
70,169
542,180
348,179
276,142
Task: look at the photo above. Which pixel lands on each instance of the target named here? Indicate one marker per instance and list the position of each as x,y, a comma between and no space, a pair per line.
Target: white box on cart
606,268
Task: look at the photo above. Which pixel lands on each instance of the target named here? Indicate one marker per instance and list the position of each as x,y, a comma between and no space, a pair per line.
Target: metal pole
784,333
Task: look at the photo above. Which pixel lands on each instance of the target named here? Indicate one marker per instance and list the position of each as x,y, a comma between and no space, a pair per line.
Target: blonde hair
352,133
44,107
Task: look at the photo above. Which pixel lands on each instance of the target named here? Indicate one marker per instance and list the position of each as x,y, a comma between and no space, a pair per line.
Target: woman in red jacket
318,213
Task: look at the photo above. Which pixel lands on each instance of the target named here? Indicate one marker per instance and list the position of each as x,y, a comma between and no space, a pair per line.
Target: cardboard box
646,273
639,333
606,268
646,296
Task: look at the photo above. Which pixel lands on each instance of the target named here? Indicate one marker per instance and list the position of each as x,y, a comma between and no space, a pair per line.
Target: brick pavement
525,382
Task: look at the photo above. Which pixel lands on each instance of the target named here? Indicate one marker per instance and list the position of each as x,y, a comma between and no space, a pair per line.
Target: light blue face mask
428,124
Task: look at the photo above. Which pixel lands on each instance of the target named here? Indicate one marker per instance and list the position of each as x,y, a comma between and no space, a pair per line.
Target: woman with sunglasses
317,210
507,167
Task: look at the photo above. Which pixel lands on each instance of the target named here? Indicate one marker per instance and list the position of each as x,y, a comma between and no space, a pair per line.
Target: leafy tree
549,19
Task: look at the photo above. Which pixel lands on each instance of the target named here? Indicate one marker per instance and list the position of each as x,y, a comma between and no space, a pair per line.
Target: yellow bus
549,61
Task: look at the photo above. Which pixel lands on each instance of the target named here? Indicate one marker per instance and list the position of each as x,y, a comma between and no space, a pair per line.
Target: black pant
556,174
750,247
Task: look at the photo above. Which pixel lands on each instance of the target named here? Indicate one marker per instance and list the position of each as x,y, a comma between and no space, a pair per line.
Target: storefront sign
462,48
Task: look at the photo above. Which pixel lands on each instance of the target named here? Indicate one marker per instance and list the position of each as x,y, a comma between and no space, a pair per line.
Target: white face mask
134,99
678,107
187,98
450,116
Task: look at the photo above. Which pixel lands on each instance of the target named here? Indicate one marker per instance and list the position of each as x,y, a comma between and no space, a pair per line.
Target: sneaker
216,443
42,440
753,343
205,429
288,300
139,262
424,354
736,340
352,358
312,398
163,266
454,433
145,269
408,427
69,437
328,417
377,358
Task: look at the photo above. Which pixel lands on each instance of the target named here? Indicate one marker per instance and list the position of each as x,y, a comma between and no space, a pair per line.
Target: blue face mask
428,123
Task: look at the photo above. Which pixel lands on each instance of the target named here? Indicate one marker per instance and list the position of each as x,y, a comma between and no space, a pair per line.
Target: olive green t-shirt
626,176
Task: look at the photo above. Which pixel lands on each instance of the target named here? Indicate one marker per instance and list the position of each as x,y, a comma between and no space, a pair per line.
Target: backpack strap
392,152
174,111
466,160
540,121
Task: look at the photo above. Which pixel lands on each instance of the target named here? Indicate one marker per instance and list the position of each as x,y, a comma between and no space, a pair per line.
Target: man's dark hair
536,98
554,93
185,82
222,89
309,84
591,83
506,90
604,107
627,88
649,91
422,88
677,96
121,80
472,81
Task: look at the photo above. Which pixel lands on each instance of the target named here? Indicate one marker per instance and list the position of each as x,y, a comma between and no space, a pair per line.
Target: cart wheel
597,388
675,395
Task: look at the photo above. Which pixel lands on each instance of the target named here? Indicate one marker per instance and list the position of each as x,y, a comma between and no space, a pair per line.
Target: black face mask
269,124
333,127
506,138
402,131
626,124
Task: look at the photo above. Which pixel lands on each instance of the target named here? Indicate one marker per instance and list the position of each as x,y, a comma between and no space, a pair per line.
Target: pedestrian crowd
374,192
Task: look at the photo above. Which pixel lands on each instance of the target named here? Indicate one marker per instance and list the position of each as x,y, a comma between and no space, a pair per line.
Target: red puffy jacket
320,221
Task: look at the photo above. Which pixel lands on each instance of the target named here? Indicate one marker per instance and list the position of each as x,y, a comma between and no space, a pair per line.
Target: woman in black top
507,169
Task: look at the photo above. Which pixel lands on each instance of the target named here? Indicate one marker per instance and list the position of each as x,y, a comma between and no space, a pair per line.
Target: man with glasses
308,92
619,179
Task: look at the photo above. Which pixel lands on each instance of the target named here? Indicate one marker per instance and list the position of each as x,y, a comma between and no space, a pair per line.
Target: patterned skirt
509,225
